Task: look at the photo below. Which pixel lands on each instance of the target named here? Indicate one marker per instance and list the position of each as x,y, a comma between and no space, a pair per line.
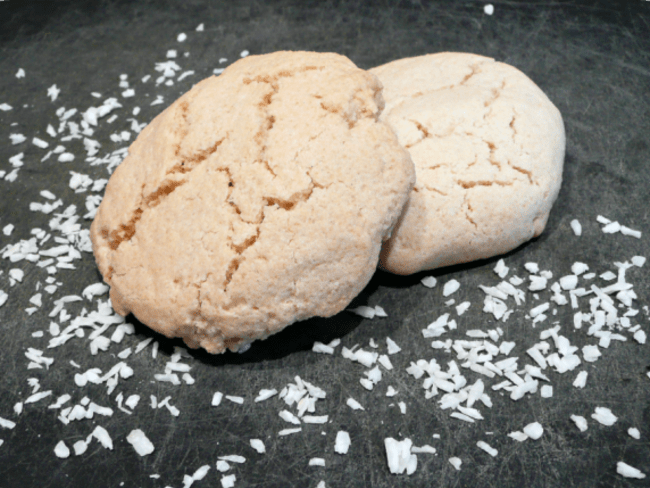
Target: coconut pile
464,374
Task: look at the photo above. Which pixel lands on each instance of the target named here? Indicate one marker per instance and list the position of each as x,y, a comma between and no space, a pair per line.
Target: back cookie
488,147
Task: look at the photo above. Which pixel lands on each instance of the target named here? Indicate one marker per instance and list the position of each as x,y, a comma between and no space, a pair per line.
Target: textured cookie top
488,148
259,198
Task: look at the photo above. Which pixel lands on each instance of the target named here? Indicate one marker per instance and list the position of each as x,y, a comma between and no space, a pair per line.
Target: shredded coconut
398,454
628,471
140,442
258,445
534,430
604,416
61,450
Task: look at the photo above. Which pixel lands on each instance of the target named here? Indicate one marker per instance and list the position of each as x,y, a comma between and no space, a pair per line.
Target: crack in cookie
285,204
190,162
355,112
125,232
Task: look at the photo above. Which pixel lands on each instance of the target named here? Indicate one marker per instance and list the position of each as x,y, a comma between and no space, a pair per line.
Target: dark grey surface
593,61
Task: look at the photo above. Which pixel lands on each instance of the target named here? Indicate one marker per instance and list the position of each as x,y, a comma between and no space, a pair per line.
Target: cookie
488,148
259,198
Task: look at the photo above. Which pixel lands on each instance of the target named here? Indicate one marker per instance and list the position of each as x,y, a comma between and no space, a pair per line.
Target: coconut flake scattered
579,268
284,432
398,454
103,437
640,336
38,396
455,462
322,348
80,447
591,353
534,430
233,458
317,462
380,312
518,436
611,228
216,398
602,220
537,283
289,417
198,475
364,311
450,287
7,424
61,450
425,449
258,445
392,347
429,281
265,394
501,269
140,442
538,310
626,231
581,380
342,443
569,282
39,143
487,448
53,92
17,139
576,227
228,481
462,308
634,433
604,416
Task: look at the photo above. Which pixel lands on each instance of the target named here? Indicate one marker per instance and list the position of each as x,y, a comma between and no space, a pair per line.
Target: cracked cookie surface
488,147
259,198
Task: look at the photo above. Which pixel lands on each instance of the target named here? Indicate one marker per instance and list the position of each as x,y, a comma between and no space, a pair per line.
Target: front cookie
488,148
259,198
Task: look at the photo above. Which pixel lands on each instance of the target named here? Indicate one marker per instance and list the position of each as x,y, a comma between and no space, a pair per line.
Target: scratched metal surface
593,61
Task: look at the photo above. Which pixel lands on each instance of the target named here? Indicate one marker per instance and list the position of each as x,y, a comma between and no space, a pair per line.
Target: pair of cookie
264,196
